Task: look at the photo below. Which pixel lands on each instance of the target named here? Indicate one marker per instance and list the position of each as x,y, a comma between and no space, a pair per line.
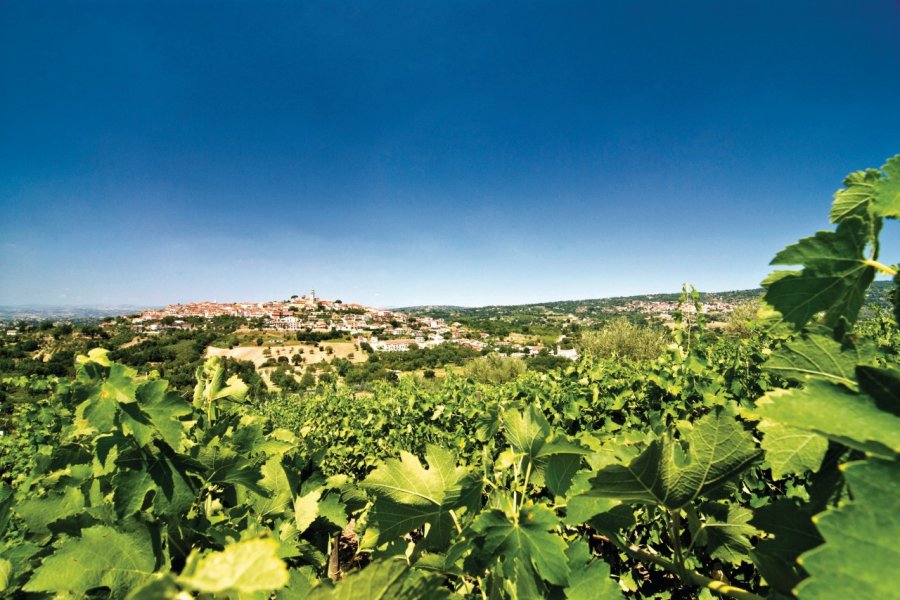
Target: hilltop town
380,329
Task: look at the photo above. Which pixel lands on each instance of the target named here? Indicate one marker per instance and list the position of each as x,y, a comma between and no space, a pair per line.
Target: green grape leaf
6,502
559,471
408,495
175,491
726,532
300,584
790,533
332,510
277,486
225,465
834,279
859,558
164,410
119,384
406,481
528,539
160,586
20,556
306,509
97,413
854,200
791,451
718,449
883,385
5,573
852,419
38,513
135,423
887,190
589,578
516,580
130,489
817,354
384,580
101,558
245,566
527,431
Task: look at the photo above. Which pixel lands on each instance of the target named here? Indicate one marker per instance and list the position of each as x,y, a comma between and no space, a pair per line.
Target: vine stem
516,467
880,267
459,531
455,521
689,576
525,485
674,521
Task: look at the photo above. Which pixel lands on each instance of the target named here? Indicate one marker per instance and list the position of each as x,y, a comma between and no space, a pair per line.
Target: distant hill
569,306
879,295
66,313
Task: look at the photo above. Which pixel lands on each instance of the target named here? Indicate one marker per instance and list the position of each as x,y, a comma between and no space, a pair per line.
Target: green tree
495,368
308,380
620,337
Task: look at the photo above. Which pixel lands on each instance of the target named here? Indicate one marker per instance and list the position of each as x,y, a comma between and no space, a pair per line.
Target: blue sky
402,153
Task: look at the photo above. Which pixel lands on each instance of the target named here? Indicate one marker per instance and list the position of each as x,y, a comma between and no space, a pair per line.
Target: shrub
743,318
495,368
620,337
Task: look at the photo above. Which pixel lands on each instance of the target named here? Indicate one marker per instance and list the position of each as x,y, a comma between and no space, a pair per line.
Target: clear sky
401,153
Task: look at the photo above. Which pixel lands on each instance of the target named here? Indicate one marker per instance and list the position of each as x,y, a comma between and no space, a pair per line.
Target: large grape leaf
514,579
726,532
138,473
6,502
856,197
589,578
550,458
385,580
853,419
816,354
860,557
306,509
527,538
834,278
5,573
101,557
526,431
718,449
212,387
224,465
791,451
409,495
276,483
164,409
175,488
530,434
38,513
245,566
130,489
559,471
887,190
790,533
883,385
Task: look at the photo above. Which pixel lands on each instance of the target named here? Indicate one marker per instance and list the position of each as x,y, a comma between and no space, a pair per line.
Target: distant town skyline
444,153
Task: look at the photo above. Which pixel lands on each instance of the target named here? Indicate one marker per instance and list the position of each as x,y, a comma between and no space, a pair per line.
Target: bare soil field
311,355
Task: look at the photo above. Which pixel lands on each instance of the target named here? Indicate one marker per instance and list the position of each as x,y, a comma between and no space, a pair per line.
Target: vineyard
760,465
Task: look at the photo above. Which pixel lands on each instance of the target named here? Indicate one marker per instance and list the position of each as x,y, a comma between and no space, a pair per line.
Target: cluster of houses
382,330
407,344
299,313
665,309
